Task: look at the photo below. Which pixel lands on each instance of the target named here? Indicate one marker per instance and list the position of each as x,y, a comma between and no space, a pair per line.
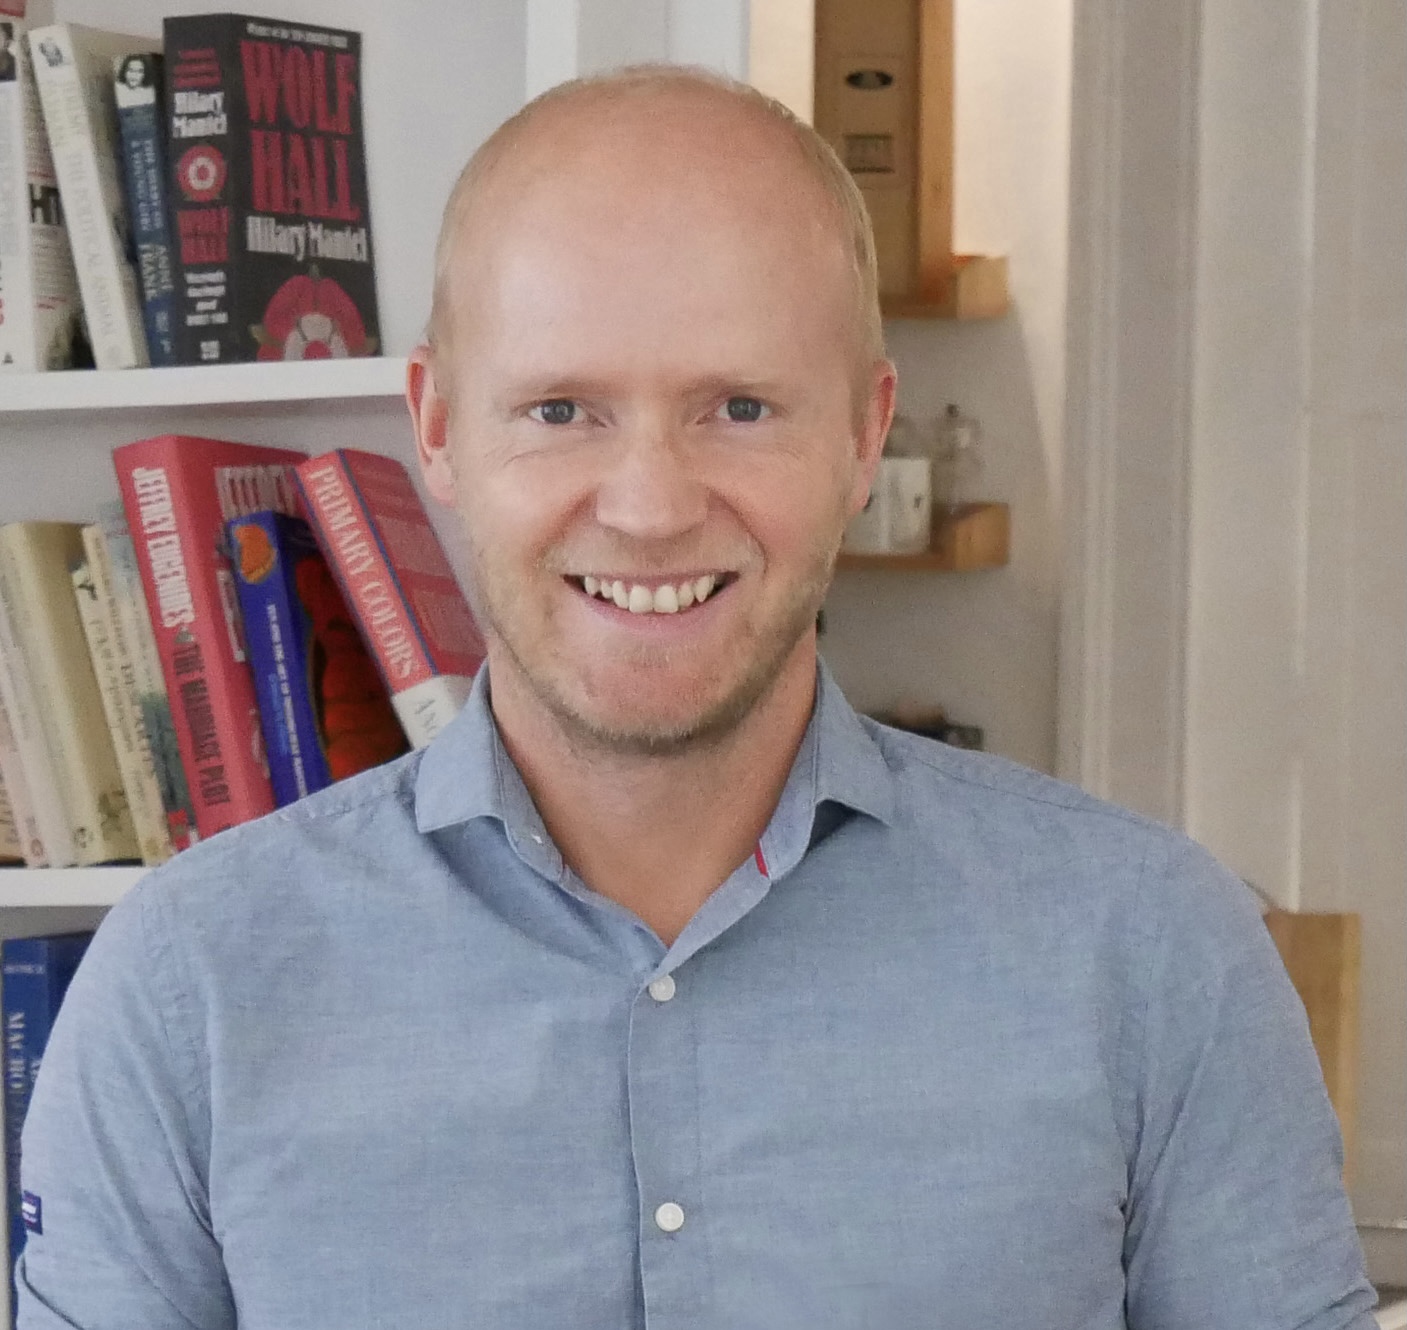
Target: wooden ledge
969,539
1321,954
977,289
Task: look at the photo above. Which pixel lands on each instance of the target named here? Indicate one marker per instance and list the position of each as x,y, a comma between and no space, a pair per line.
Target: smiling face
652,433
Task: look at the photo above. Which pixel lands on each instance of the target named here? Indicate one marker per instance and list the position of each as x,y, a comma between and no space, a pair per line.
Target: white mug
898,517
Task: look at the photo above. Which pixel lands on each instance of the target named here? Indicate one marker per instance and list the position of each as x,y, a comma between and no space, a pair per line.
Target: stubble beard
710,726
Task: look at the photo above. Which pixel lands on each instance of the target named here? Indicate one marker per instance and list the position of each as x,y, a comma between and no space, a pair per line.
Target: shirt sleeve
1237,1217
116,1146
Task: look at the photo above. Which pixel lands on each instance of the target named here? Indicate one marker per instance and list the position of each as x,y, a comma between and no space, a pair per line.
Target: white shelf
202,385
66,886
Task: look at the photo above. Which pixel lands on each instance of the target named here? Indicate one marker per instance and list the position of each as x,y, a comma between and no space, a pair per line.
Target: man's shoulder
931,773
1057,852
308,846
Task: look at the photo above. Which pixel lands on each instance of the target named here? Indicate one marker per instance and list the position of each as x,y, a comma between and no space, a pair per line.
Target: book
29,766
137,89
11,845
379,543
92,586
35,973
37,588
134,631
73,71
30,844
325,711
268,190
179,493
39,311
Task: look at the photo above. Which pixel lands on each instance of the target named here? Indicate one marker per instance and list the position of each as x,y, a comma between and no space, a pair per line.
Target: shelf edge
31,888
201,385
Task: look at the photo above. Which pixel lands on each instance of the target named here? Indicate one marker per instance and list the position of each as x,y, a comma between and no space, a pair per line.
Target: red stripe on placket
760,861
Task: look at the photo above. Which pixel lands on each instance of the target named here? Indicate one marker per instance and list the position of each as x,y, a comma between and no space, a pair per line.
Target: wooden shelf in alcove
977,289
969,539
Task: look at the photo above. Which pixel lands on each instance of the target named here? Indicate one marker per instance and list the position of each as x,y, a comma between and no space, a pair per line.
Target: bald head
668,147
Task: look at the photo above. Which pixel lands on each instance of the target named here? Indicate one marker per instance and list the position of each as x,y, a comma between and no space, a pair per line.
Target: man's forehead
676,159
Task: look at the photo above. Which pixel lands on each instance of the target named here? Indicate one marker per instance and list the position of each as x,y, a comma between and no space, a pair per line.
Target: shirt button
662,990
670,1217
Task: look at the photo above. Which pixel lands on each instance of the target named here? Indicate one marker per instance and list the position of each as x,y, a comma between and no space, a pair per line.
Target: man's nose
650,488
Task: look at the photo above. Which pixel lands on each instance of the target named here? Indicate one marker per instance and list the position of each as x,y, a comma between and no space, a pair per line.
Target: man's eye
743,410
558,411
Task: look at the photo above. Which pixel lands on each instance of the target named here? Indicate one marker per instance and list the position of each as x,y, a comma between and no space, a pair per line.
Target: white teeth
640,599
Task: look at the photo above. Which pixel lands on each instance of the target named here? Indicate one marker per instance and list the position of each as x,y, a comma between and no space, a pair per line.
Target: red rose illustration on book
310,317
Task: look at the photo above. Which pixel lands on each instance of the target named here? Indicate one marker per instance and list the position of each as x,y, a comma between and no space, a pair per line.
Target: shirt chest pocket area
921,1147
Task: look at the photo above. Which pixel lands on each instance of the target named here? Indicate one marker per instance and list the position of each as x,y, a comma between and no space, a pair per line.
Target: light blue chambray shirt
975,1051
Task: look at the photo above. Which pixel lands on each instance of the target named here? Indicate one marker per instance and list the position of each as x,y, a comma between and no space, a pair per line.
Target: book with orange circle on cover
179,493
325,711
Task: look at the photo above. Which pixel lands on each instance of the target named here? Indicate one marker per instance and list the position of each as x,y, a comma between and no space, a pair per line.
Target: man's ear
873,430
429,415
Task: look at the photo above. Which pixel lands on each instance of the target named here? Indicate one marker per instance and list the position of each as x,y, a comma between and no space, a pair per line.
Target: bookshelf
202,386
48,888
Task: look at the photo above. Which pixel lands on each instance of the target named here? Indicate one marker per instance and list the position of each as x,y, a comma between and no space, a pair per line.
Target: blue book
144,174
35,976
275,559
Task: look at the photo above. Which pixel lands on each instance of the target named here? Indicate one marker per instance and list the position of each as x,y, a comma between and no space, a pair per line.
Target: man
662,990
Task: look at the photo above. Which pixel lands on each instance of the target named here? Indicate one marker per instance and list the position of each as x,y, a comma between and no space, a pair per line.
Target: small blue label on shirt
32,1208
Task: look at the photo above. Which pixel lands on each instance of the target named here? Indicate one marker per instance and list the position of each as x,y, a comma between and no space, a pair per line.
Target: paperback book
36,585
414,618
137,89
35,973
180,493
39,311
134,631
73,70
325,711
268,190
92,587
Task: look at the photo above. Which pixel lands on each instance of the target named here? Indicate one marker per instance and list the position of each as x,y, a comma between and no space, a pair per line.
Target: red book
179,492
378,541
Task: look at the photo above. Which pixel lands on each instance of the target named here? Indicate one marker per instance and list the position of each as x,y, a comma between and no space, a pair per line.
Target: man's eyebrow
548,387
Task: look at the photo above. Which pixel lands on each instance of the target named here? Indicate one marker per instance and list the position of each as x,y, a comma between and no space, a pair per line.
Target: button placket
664,1129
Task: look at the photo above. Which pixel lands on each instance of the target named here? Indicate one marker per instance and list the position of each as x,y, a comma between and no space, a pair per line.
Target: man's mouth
653,596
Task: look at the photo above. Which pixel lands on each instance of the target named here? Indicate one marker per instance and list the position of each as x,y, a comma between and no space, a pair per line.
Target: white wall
1353,852
1238,484
982,645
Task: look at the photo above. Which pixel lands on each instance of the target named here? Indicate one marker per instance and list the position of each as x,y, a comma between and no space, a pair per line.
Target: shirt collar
466,773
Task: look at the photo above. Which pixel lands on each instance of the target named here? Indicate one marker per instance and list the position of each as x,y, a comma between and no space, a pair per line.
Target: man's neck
660,834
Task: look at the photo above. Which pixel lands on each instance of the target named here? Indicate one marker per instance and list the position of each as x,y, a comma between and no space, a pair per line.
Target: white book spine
73,70
92,584
425,708
11,847
17,790
22,707
38,287
37,557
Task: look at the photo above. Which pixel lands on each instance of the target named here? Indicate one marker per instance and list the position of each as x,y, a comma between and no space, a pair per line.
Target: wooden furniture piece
972,537
1321,953
884,101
